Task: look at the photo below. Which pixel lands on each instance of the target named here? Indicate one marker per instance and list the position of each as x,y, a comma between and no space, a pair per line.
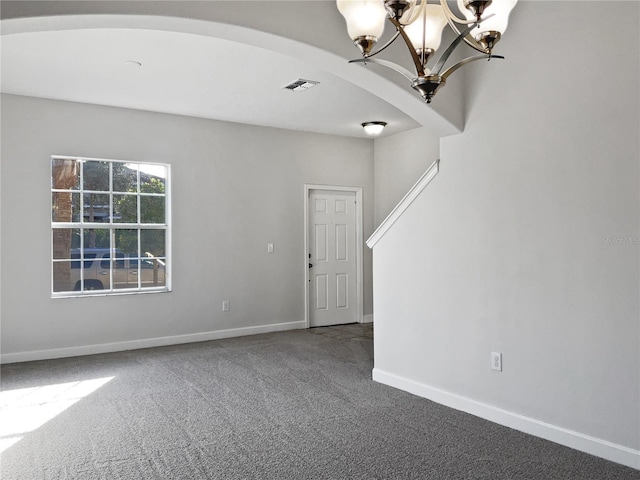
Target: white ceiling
188,74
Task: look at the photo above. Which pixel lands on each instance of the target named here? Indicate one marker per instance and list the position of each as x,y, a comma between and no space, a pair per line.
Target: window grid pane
108,226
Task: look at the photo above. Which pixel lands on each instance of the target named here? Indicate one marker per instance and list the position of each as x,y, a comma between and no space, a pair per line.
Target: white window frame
112,227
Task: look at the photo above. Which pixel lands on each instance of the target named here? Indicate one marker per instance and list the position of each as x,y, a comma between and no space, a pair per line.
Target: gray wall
235,188
399,161
526,243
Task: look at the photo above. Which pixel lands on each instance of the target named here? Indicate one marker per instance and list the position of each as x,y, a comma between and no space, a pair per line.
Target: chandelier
420,24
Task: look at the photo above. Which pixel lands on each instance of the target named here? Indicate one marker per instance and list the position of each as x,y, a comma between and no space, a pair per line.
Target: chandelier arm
445,56
462,63
473,44
414,15
468,38
393,39
407,40
452,17
386,63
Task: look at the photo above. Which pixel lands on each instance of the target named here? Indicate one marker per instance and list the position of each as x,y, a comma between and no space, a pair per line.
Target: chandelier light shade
425,32
420,24
495,24
365,21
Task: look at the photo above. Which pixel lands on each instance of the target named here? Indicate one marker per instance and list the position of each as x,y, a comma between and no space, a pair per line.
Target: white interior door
332,257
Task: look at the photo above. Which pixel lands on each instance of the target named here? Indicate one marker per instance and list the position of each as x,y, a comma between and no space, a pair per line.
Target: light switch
269,247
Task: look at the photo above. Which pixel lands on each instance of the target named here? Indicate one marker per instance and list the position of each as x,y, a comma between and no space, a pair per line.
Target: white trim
368,318
407,200
168,239
112,225
359,247
147,343
579,441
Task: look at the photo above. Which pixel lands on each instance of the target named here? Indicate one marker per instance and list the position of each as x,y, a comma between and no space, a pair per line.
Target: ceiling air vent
300,85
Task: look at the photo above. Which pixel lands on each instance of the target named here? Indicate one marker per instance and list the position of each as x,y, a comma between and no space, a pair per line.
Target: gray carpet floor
290,405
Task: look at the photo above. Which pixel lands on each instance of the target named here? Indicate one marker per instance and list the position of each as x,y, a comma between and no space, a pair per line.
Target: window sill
109,293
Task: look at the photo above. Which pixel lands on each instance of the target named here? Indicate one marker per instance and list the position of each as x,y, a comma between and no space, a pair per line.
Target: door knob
311,265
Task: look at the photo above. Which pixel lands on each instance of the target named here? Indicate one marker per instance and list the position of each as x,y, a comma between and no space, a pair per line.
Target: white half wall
235,188
527,241
399,161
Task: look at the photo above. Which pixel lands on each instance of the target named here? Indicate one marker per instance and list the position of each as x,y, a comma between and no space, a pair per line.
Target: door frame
359,247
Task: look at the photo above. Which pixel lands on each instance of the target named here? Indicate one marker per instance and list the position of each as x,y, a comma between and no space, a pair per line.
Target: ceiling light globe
364,18
427,33
373,128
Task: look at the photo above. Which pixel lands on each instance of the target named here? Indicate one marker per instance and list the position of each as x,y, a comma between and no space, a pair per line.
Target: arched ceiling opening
201,68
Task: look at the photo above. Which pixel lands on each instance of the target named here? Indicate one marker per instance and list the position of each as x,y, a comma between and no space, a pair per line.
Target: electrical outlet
225,305
496,361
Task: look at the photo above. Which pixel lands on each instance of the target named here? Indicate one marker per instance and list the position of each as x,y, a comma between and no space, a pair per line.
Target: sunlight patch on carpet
26,409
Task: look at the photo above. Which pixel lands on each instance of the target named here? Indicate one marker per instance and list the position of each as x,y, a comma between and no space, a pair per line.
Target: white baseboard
147,342
368,318
585,443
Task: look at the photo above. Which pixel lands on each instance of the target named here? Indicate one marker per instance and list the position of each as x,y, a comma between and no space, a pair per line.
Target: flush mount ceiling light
420,25
373,128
